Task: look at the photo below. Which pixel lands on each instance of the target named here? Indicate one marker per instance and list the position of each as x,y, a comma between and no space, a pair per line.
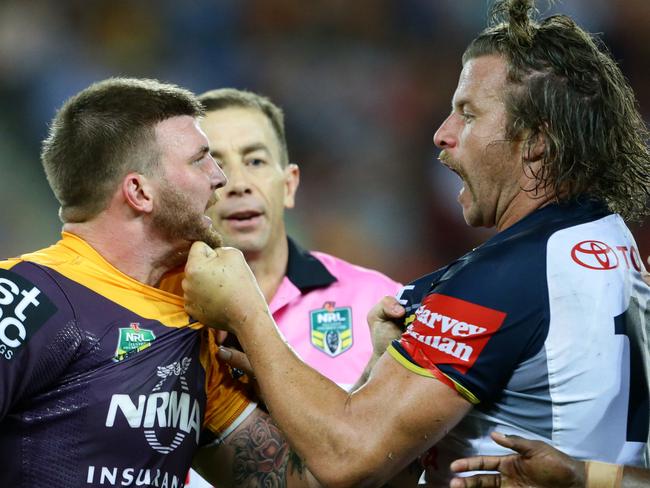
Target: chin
246,246
471,218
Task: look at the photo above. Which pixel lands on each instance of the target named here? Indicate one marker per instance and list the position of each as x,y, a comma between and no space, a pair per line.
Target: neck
130,249
523,204
269,267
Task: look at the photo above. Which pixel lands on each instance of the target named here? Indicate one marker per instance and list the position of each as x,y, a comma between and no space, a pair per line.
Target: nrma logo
160,409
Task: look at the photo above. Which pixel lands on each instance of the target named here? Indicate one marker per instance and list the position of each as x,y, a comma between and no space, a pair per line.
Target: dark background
364,84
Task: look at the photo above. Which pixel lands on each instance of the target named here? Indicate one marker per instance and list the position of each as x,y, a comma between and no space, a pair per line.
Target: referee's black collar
305,271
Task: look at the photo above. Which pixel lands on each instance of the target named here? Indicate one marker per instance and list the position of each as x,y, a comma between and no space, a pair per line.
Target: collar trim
305,271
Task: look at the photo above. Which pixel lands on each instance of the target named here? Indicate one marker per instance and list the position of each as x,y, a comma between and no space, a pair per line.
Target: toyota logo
594,255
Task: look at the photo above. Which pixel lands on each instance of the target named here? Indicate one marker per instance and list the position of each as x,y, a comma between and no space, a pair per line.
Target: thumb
235,359
392,307
514,442
200,250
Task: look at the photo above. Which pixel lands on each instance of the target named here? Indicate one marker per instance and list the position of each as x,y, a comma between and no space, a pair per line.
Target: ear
138,192
535,147
291,182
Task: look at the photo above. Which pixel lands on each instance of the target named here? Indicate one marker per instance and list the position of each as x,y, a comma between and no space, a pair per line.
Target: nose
445,136
238,183
218,178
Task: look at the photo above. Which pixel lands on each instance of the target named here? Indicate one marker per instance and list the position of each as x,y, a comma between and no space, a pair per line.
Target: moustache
445,158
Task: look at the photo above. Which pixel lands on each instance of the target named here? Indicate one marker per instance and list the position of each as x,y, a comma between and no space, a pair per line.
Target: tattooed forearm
262,456
295,463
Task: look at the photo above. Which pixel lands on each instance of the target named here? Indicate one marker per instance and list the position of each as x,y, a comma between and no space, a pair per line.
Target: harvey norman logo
447,326
160,410
446,330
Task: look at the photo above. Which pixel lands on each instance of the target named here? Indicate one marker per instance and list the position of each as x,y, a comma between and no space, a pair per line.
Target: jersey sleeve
38,332
470,330
228,400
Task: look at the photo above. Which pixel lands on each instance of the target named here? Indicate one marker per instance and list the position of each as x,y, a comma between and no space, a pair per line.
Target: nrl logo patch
131,340
331,329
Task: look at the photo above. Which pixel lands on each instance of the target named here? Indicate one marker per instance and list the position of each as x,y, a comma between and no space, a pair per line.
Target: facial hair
177,222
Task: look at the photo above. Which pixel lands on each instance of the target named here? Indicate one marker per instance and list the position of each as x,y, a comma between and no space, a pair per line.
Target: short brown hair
223,98
104,132
565,87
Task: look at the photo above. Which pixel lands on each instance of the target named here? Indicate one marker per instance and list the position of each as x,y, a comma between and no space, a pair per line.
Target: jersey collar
305,271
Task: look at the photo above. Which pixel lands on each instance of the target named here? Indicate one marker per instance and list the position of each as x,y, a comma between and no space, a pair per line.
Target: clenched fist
220,289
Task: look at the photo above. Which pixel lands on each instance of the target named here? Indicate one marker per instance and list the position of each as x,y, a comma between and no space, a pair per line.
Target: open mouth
244,220
213,199
243,215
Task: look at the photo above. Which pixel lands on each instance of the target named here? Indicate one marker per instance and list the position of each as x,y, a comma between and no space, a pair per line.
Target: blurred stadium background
364,84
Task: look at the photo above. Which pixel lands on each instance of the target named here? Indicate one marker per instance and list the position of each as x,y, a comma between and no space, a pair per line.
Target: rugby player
537,332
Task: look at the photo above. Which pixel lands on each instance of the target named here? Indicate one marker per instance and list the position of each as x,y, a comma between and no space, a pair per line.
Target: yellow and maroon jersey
104,381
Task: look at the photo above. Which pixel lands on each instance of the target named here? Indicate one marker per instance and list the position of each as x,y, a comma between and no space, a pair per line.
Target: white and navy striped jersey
544,328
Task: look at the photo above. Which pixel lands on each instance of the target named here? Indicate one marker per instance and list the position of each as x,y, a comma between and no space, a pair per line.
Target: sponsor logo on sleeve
447,330
600,256
594,255
331,329
23,310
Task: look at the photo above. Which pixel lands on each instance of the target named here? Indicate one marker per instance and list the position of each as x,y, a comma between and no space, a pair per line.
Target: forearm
312,411
256,454
358,439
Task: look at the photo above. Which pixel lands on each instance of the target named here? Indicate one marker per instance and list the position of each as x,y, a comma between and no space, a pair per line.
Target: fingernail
224,353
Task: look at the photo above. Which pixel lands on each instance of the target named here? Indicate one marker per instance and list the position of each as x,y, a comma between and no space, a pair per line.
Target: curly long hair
566,88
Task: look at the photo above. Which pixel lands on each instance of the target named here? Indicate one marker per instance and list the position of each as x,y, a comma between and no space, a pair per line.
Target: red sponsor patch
447,330
594,255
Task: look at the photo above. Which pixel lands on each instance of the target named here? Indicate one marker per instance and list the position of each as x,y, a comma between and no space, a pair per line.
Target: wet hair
224,98
104,132
565,88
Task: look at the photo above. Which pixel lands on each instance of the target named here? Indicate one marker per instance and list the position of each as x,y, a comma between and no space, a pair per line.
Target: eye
467,117
256,162
201,159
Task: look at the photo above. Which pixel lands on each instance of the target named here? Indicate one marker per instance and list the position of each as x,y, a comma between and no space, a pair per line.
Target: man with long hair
540,331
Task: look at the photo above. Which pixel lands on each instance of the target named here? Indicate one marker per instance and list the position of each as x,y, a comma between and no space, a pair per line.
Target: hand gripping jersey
103,379
544,329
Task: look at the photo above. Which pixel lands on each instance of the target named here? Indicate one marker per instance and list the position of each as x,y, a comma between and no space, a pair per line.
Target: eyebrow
459,104
201,152
249,148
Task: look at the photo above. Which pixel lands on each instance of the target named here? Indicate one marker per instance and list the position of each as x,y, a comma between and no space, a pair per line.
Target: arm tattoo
263,457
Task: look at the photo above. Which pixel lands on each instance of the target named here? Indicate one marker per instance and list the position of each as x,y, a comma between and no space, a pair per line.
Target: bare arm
254,454
368,435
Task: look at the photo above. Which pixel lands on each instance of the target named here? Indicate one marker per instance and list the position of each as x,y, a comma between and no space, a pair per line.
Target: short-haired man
104,378
319,302
536,332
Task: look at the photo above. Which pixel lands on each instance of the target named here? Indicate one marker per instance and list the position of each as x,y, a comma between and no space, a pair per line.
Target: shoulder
32,304
345,271
17,273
